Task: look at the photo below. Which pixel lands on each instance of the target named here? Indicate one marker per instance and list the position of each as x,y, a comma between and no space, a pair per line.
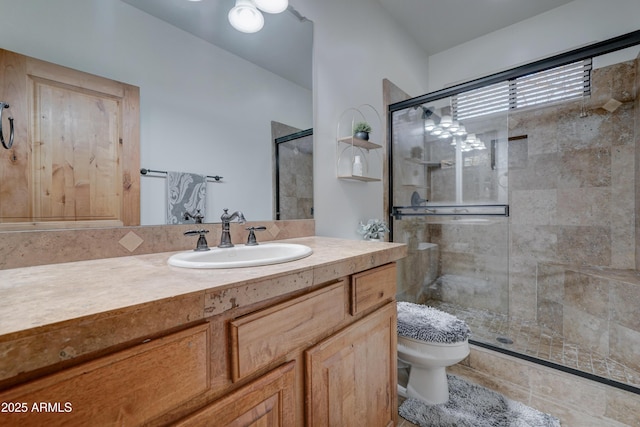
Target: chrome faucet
225,239
198,217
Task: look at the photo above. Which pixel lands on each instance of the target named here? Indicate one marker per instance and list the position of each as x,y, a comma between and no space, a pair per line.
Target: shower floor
529,338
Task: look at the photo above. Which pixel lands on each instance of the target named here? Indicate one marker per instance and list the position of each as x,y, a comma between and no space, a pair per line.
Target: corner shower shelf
357,146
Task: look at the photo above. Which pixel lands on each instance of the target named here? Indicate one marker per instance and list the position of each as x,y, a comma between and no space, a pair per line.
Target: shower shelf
430,164
348,146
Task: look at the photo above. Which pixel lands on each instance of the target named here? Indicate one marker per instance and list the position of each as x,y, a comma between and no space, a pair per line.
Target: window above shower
559,84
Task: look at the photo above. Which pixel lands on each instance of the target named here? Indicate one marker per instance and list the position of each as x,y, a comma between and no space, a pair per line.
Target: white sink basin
241,256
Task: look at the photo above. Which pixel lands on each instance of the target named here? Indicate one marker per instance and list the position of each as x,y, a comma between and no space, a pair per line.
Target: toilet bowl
429,340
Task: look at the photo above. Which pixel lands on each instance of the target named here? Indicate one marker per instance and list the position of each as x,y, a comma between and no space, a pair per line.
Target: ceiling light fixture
272,6
245,17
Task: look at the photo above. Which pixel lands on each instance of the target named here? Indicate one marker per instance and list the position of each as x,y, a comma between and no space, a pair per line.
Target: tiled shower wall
296,179
593,306
572,187
295,165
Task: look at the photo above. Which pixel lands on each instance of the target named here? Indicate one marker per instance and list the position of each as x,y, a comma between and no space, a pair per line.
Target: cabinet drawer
260,338
372,287
129,387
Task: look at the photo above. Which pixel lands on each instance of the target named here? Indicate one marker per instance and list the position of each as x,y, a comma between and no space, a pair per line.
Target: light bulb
445,121
454,126
471,138
436,131
444,135
245,17
272,6
429,125
461,131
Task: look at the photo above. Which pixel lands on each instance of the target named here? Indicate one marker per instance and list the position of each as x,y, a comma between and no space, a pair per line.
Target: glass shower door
449,197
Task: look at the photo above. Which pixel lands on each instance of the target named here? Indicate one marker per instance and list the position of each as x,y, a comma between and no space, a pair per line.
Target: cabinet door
351,377
266,402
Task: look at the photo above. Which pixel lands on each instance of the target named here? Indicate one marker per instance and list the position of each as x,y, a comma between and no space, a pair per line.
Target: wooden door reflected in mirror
75,157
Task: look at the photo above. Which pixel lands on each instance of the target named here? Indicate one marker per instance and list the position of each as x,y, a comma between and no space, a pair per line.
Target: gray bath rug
471,405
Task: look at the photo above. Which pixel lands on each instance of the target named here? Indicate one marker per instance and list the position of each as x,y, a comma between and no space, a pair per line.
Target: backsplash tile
131,241
29,248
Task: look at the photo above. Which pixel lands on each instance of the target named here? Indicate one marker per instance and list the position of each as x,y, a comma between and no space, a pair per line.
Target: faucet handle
198,217
202,244
251,240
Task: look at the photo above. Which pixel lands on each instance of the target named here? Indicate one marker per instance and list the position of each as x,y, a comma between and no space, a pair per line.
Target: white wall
195,97
356,46
576,24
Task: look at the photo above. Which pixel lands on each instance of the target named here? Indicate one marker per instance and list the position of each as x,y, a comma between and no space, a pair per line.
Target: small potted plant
374,229
361,130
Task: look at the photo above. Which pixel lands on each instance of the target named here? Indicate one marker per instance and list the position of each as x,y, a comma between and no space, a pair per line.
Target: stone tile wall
572,190
594,306
296,179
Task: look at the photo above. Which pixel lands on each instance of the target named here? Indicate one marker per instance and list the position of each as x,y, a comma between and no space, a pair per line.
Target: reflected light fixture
446,121
245,17
429,125
272,6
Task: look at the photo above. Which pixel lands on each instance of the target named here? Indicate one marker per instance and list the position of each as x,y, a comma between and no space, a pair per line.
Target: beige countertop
39,299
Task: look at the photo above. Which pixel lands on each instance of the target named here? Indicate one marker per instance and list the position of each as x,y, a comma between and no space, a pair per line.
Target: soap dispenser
357,167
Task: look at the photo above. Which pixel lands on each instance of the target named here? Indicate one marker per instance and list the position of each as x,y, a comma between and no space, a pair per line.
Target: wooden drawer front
372,287
127,388
259,338
268,401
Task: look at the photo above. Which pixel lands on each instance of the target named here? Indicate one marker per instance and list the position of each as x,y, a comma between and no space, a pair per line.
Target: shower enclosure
293,174
516,196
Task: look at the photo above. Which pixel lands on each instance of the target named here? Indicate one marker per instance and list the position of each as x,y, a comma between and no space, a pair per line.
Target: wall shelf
359,142
348,146
358,178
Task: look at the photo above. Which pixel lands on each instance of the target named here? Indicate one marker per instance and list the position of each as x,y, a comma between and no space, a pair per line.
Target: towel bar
145,171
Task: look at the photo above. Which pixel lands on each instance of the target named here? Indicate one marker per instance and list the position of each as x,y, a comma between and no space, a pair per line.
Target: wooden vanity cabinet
326,357
338,343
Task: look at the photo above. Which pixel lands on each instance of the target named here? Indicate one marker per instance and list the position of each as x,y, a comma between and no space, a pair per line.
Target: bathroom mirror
204,108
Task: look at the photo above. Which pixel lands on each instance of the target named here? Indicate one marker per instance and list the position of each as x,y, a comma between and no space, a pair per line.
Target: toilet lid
429,324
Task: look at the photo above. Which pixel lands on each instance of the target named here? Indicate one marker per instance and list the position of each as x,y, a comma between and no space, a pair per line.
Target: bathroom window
567,82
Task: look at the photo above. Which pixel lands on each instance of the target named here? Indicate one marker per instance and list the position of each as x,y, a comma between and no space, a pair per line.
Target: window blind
571,81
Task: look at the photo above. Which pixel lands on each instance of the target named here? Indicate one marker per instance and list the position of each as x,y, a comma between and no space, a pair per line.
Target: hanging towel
186,192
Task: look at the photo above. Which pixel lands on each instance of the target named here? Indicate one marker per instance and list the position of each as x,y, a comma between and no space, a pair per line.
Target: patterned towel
186,192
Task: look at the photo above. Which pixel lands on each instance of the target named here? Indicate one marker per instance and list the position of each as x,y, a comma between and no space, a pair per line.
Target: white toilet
429,340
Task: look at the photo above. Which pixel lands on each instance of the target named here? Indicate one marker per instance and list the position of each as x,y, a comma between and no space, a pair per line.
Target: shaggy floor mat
471,405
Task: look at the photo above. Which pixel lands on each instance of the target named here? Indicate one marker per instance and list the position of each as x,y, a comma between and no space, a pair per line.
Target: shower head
426,112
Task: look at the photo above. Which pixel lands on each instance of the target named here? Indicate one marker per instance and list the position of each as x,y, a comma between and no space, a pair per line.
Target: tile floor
531,339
